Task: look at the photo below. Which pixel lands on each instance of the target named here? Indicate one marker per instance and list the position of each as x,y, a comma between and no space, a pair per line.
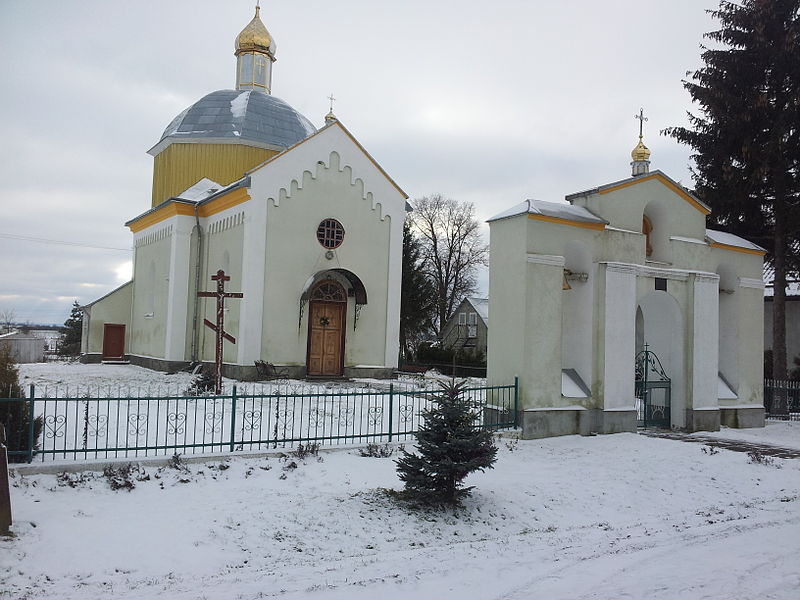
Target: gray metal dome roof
242,115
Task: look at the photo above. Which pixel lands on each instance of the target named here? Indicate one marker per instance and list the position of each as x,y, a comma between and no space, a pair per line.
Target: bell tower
641,153
255,53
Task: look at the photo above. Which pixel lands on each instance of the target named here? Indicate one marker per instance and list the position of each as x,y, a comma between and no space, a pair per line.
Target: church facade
305,223
622,307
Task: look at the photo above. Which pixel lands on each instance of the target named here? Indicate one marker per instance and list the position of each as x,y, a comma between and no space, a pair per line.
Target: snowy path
606,517
736,445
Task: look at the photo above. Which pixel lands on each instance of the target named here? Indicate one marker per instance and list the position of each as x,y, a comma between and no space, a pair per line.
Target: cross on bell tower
641,153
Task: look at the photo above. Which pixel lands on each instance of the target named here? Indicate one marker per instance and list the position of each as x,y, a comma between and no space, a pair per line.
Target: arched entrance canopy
357,290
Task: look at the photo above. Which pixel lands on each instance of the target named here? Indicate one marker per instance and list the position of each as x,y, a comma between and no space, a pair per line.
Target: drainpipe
198,263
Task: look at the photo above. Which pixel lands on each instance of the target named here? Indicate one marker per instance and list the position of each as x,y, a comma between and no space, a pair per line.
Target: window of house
330,234
472,328
462,318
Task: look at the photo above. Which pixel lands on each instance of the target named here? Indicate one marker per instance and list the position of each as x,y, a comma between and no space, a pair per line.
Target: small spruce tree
70,343
14,416
450,448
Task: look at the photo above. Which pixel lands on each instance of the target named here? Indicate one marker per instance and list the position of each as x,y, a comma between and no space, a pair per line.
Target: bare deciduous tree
7,318
452,249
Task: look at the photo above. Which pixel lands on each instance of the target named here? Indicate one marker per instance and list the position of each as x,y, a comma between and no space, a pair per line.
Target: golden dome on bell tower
640,152
255,53
255,37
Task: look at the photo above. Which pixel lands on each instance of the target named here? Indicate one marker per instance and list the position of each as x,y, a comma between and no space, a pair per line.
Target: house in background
468,326
24,347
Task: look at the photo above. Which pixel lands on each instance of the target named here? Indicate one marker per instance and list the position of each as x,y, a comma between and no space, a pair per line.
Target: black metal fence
782,399
89,424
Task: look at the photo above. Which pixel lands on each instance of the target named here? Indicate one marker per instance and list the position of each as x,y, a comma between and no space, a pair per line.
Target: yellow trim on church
207,209
659,177
737,249
224,202
162,214
583,224
180,166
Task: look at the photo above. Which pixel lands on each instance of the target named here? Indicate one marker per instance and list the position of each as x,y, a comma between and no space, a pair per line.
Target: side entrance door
326,319
113,341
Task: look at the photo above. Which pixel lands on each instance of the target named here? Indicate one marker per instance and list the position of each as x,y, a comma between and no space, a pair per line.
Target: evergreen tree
746,140
14,416
450,448
417,295
70,343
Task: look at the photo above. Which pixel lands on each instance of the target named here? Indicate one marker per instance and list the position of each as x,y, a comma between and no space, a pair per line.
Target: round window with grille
330,234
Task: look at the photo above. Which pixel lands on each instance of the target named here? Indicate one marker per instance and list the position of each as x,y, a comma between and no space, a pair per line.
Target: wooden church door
113,341
326,318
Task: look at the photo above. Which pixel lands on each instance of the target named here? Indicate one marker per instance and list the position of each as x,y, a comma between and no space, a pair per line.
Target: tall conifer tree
746,139
417,297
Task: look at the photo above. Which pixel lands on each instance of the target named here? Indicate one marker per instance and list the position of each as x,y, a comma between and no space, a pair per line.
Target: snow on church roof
236,116
555,210
729,239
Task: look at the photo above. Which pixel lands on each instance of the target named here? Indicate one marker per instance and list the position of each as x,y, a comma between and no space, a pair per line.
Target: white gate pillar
619,337
705,341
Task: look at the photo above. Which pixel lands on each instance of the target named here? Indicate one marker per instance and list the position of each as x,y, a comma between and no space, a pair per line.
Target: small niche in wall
661,284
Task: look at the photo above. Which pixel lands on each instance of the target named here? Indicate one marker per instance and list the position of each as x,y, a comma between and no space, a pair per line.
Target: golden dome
641,152
255,37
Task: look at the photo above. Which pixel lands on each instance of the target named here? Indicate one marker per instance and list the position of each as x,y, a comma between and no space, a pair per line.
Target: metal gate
653,391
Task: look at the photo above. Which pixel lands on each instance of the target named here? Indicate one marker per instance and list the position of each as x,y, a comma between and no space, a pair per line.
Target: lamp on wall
573,276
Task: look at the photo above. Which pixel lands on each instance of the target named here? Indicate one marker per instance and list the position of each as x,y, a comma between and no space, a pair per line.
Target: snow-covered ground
605,517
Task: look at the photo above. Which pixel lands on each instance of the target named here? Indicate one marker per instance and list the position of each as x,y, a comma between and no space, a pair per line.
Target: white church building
305,223
622,308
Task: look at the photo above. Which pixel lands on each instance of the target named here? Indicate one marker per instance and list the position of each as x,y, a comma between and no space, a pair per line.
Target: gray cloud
486,103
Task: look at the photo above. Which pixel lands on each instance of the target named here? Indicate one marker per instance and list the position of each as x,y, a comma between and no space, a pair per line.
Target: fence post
31,419
233,418
391,409
5,494
516,401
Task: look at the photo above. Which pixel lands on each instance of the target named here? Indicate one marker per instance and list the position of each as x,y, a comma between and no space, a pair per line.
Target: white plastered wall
329,176
223,250
113,308
151,275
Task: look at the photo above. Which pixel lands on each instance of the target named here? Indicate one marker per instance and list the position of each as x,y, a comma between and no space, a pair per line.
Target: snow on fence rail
84,423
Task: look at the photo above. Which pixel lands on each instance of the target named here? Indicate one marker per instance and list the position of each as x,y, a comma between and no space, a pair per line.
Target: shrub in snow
202,384
377,451
124,476
15,416
758,458
310,449
450,447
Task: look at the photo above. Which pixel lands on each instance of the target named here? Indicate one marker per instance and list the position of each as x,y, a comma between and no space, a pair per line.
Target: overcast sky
488,102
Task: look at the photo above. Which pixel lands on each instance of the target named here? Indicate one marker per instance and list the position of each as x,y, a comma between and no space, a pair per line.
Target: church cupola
641,153
255,53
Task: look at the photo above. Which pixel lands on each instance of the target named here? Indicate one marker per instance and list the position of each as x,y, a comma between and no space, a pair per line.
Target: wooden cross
219,326
642,119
